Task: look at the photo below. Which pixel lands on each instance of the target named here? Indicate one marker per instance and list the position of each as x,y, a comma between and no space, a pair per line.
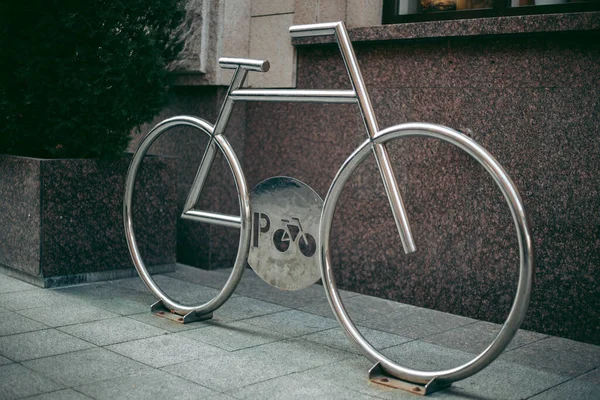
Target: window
398,11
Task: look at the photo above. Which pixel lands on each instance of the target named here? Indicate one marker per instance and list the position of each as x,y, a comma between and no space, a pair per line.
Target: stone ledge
87,277
513,25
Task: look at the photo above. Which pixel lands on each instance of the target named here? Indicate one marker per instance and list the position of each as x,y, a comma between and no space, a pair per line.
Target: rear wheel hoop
244,205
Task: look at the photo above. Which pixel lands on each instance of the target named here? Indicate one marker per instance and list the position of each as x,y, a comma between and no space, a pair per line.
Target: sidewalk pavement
100,341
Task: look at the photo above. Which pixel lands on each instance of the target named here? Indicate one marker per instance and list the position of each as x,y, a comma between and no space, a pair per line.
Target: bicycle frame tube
295,95
207,160
358,95
380,151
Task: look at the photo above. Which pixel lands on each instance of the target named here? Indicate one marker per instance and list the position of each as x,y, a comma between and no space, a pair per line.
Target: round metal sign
285,229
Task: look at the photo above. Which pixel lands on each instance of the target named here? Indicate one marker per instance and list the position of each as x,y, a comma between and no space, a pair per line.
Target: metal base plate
160,310
379,376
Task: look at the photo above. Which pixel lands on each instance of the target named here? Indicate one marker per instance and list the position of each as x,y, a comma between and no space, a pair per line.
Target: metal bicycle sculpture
282,257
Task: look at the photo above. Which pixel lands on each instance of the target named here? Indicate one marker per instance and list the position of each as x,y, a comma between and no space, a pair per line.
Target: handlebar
324,29
244,63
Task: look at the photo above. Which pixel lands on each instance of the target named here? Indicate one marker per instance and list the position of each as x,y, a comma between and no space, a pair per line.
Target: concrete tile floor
100,341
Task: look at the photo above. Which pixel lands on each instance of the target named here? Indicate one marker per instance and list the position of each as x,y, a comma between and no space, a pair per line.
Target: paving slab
231,370
264,343
242,307
300,353
253,286
13,322
500,380
362,308
85,366
34,298
37,344
505,380
293,323
426,356
234,336
4,361
323,309
109,296
17,382
593,376
135,282
160,351
474,338
258,289
87,291
572,389
67,394
111,331
147,385
125,306
184,292
298,386
215,279
418,322
222,396
10,285
413,322
396,318
68,315
167,324
557,355
352,374
337,338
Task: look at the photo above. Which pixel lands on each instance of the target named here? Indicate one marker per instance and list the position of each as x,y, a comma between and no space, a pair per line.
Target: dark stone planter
62,219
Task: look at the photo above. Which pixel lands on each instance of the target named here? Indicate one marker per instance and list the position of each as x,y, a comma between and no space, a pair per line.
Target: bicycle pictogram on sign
292,233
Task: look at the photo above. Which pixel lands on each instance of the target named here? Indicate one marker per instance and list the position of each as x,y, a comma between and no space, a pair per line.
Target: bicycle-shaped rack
271,254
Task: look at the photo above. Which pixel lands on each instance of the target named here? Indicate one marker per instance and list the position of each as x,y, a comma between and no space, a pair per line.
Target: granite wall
530,99
20,205
62,219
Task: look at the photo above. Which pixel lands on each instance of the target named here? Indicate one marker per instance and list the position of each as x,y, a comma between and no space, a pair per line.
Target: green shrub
76,76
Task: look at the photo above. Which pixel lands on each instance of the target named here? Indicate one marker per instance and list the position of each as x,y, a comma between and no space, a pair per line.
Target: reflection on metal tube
295,95
244,63
230,221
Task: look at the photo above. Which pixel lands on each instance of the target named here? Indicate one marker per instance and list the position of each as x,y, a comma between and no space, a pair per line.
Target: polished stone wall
63,224
532,101
20,211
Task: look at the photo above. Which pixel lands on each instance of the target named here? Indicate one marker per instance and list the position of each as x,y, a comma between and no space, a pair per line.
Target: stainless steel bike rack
305,221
